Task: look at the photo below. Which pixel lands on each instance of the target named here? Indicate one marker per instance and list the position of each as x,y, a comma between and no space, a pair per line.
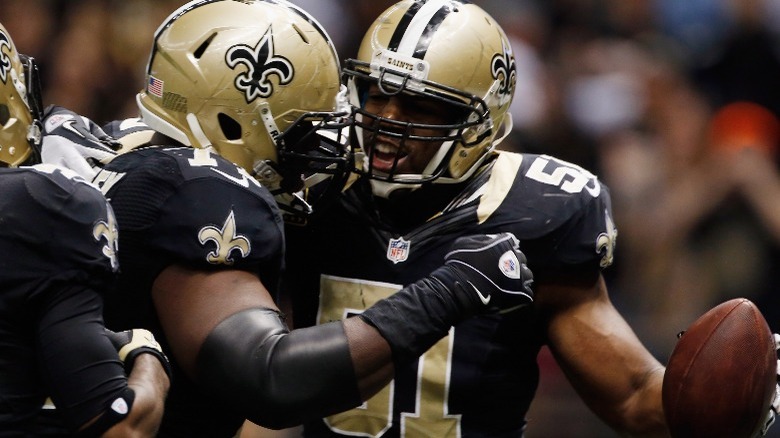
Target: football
721,375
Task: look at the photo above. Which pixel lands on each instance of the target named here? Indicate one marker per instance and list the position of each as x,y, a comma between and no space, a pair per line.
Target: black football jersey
58,241
480,380
179,205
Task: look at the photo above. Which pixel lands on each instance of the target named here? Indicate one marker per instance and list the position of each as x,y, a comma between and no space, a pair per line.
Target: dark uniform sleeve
590,235
58,257
561,212
232,228
185,206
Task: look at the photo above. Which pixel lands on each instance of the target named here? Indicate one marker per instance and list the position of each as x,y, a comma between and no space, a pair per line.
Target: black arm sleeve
413,319
78,363
278,378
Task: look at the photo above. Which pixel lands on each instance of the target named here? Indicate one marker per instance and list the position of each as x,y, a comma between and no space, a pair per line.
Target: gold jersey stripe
504,173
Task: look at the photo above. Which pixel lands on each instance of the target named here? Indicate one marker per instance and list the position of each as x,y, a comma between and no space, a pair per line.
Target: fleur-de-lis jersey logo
606,242
226,240
503,69
108,230
261,63
5,59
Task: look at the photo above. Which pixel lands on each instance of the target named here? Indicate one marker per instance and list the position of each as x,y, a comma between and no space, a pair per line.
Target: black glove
130,343
75,142
491,273
481,274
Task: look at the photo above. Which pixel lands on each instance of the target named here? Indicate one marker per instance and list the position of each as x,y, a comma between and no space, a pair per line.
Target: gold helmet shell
448,50
241,77
20,105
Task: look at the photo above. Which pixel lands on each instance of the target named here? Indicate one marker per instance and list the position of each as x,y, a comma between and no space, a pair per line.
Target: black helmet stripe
400,30
415,31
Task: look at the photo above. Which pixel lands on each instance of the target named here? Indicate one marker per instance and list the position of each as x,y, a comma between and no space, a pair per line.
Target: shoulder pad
131,133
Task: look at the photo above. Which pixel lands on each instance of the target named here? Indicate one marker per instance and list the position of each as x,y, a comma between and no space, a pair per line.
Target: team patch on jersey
226,240
509,265
108,230
398,250
606,242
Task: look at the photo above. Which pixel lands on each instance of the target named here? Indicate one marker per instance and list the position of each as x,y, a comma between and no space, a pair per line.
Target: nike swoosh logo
69,126
242,181
485,299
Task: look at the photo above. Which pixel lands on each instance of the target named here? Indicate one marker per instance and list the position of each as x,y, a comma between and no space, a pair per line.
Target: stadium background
631,89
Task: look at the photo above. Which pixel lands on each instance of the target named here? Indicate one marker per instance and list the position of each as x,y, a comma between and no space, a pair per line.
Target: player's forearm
277,377
150,383
371,356
644,414
282,378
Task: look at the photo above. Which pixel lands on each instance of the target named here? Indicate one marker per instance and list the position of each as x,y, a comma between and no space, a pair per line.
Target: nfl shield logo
398,250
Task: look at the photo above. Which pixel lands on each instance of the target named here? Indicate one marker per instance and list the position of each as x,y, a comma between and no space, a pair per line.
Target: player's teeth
385,149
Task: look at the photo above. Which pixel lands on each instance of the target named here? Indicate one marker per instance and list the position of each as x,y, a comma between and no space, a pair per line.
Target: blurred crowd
674,105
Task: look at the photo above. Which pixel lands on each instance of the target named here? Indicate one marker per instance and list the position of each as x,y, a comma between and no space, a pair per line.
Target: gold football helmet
255,80
20,105
446,51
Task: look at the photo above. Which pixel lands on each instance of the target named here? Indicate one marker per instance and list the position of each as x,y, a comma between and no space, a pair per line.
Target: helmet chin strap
384,189
197,131
158,124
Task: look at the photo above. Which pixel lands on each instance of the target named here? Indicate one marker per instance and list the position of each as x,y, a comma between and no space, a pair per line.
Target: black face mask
33,84
303,152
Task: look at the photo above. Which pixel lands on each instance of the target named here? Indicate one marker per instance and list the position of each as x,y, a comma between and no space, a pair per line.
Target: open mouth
386,155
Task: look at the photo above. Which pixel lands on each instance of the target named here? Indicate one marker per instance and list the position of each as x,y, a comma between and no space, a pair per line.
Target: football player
431,85
237,93
58,245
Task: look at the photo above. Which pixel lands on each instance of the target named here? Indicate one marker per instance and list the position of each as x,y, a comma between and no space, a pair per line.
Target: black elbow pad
275,377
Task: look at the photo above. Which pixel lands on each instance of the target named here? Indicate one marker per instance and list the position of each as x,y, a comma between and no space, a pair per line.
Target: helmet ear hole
231,129
5,114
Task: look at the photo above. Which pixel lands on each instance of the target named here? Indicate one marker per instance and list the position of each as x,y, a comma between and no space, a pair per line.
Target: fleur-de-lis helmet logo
503,69
261,62
5,60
